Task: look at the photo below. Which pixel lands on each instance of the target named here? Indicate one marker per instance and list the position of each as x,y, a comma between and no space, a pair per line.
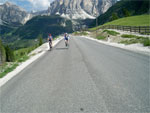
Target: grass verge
21,55
129,36
135,39
81,33
101,37
113,33
8,69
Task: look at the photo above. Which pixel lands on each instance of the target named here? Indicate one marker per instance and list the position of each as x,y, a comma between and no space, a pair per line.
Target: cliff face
13,14
75,9
72,9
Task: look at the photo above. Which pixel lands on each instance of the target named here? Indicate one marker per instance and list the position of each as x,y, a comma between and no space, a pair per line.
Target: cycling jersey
50,38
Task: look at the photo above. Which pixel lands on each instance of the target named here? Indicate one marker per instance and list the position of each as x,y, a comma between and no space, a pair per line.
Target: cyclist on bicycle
50,39
66,38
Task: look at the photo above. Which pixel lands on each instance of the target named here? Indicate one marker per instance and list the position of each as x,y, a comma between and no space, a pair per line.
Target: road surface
89,77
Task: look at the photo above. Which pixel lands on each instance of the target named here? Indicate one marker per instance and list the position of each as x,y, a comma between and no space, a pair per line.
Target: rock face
80,9
11,13
72,9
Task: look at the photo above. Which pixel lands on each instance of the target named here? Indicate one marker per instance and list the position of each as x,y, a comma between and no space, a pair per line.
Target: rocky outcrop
76,9
11,13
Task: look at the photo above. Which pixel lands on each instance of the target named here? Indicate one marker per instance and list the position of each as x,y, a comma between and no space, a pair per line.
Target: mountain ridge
12,13
80,9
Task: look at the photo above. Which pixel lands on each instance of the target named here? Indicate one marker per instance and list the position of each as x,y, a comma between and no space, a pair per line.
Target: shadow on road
61,48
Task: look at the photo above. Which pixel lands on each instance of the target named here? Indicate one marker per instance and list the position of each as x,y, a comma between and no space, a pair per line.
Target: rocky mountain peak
9,3
76,9
12,13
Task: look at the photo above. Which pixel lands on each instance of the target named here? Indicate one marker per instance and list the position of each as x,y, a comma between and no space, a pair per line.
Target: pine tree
126,13
40,40
114,16
2,53
9,54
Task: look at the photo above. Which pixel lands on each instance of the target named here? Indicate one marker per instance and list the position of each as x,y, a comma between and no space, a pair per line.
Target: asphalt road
89,77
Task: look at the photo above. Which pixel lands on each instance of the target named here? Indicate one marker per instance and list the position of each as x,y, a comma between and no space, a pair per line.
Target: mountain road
86,77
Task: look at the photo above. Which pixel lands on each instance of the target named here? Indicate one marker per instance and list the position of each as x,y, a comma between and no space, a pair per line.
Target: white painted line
39,52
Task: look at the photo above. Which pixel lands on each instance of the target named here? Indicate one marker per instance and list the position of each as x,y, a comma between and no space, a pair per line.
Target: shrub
40,41
114,33
146,42
3,53
101,37
128,36
9,54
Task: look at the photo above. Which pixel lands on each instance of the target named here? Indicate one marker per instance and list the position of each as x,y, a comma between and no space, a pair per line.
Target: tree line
115,16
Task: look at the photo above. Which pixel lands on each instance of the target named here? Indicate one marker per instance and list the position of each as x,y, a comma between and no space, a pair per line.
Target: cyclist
66,38
50,39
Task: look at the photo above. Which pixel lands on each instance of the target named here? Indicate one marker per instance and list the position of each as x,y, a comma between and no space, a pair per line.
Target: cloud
29,5
40,4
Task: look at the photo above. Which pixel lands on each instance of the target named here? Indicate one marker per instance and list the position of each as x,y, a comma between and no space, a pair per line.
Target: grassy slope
142,20
135,7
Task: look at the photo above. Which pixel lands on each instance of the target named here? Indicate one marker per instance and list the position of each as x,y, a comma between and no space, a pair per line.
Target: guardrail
138,29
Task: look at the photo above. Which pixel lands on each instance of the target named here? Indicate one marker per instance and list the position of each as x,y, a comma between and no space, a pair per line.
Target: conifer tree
126,13
40,40
114,16
9,54
2,53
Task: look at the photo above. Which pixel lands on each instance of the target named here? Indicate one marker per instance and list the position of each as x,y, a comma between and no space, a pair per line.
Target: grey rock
75,9
13,14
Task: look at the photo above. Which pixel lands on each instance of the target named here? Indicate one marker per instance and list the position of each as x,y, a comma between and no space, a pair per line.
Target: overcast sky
30,5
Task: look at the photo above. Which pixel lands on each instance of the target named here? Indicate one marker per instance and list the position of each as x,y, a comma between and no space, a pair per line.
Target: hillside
134,7
5,29
42,25
8,27
142,20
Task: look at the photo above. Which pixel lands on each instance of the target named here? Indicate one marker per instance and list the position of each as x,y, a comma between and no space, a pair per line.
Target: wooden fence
138,29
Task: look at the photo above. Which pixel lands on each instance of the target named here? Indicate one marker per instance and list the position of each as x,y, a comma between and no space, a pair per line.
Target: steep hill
142,20
6,27
134,7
